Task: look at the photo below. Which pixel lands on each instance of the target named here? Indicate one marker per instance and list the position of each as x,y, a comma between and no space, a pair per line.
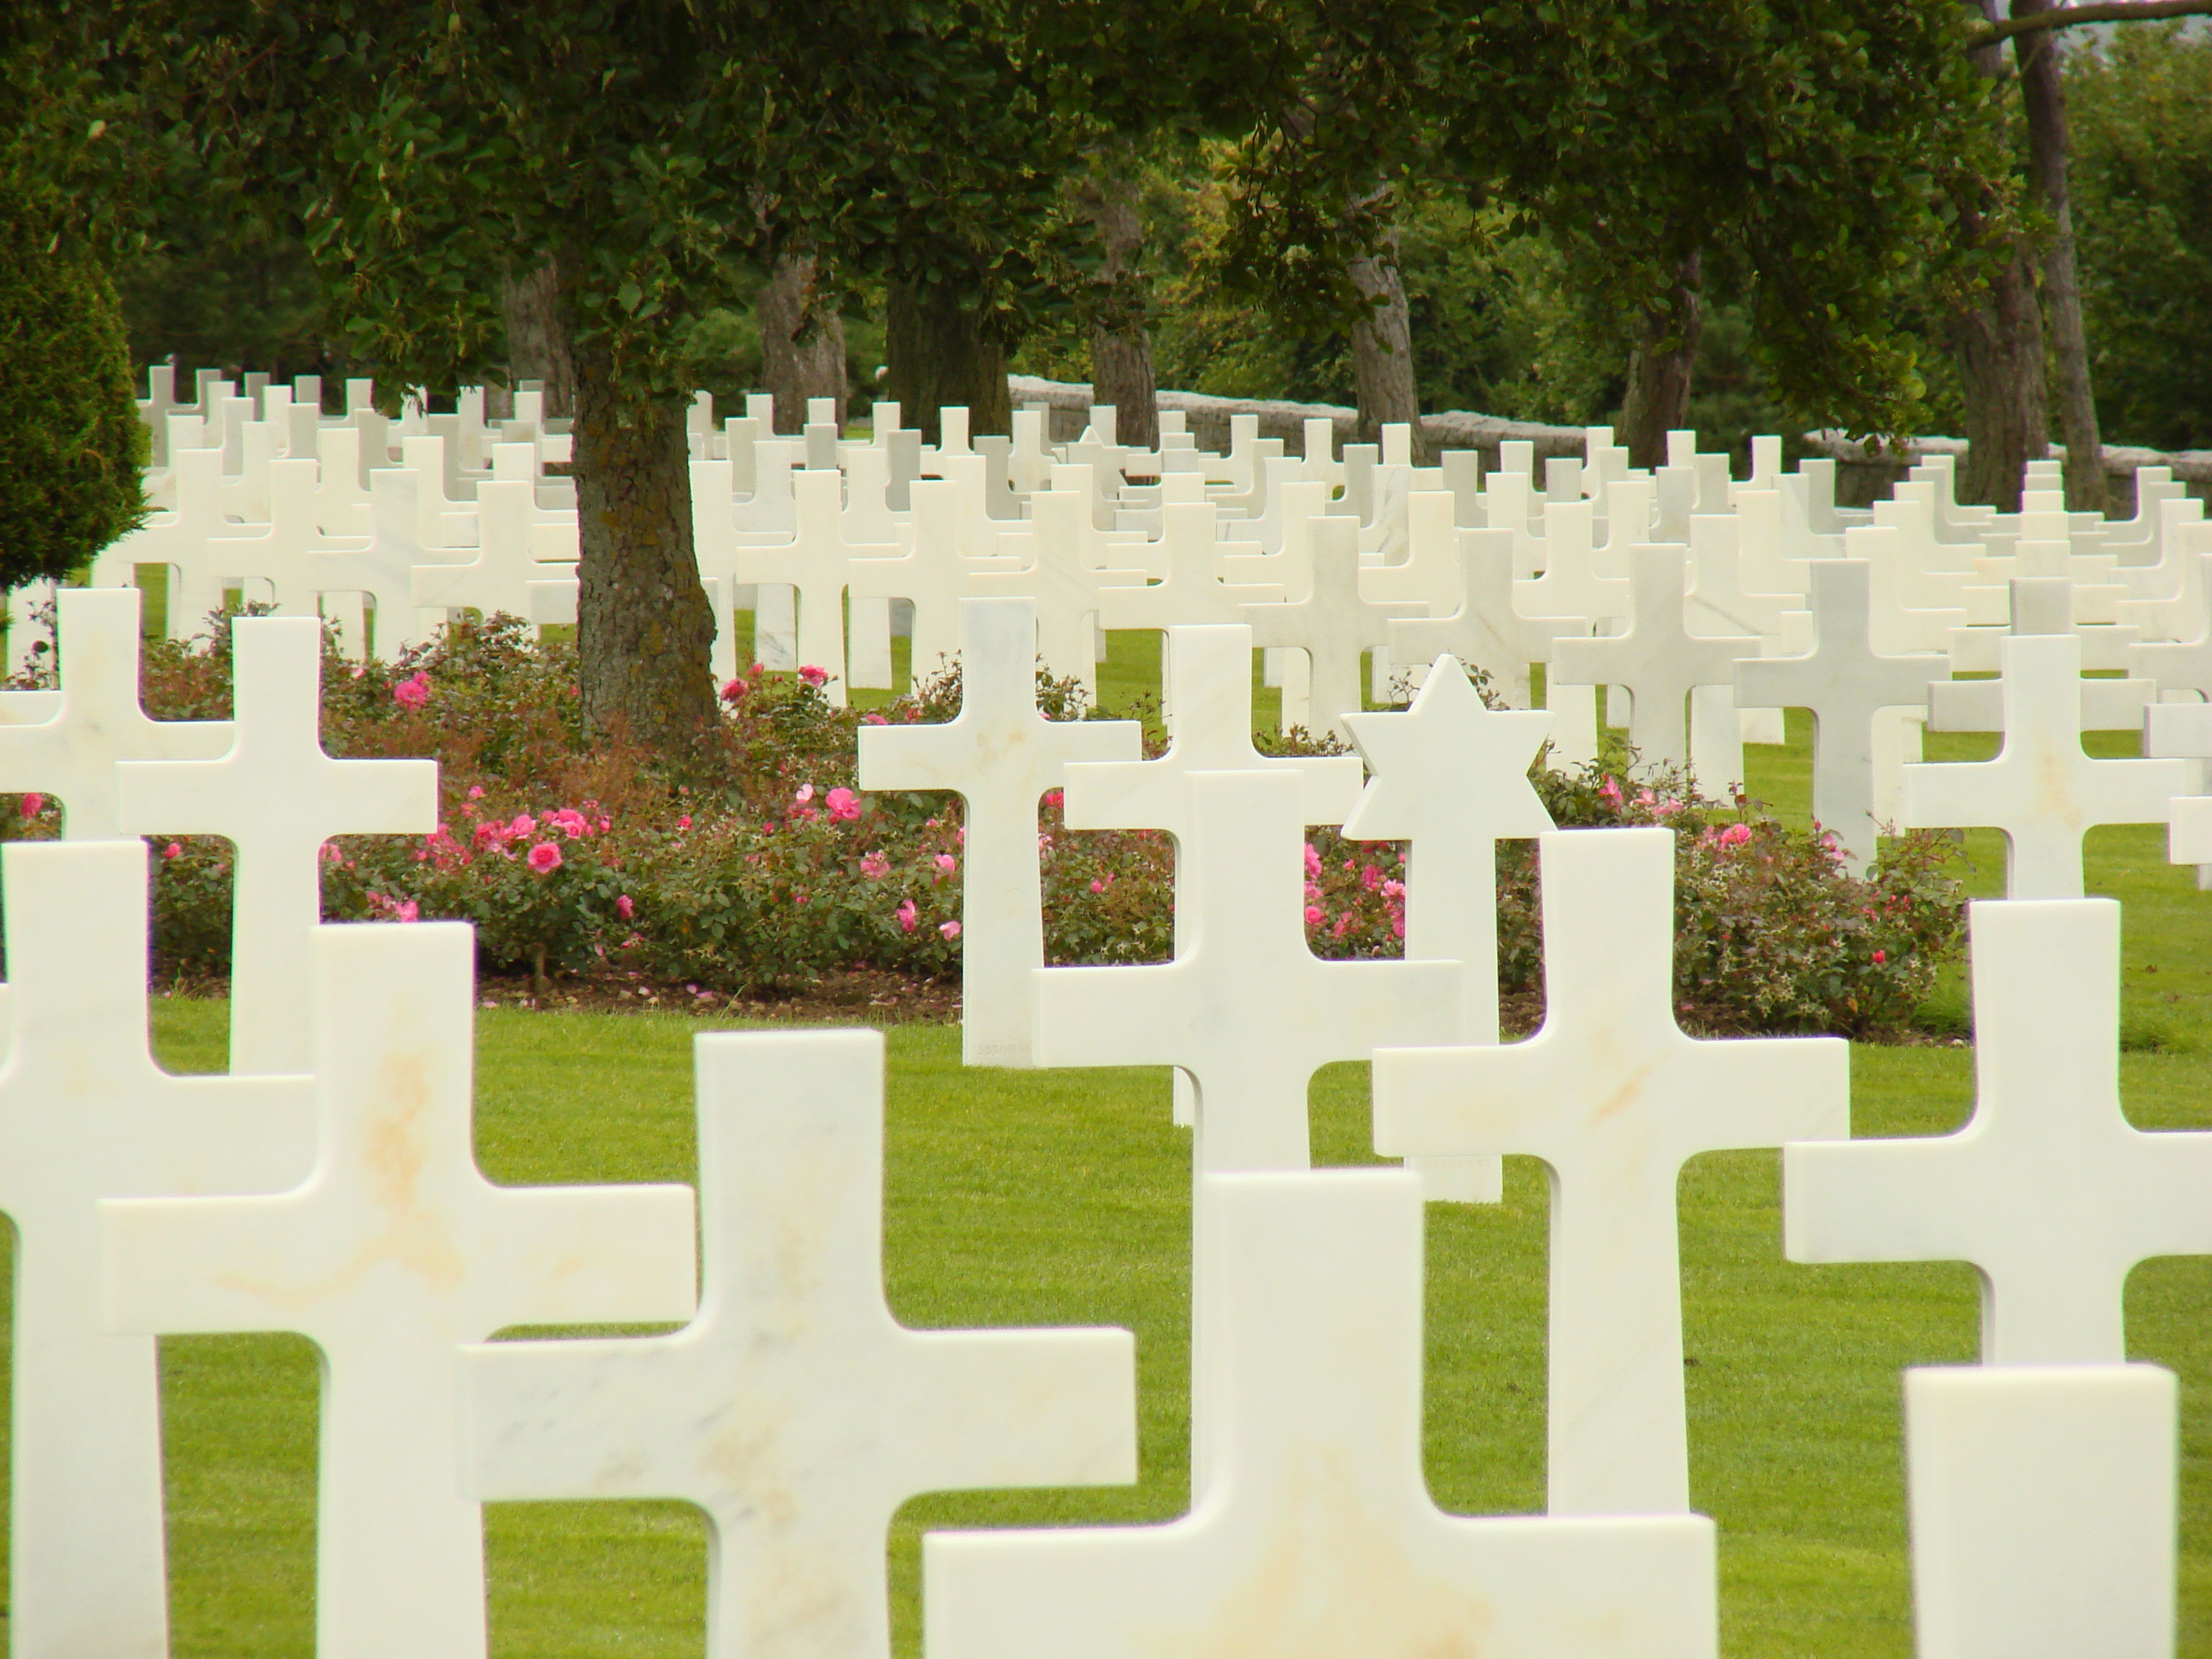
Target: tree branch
2101,11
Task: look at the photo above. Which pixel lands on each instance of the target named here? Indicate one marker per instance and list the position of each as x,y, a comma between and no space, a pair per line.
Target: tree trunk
1999,344
1383,351
537,340
644,632
935,354
802,343
1998,338
2043,96
1121,345
1660,366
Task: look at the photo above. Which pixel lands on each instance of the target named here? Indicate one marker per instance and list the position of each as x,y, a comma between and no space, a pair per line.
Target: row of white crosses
1614,1099
830,538
339,1199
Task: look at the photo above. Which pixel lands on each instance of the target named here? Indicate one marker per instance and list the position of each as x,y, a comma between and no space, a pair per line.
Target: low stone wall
1862,477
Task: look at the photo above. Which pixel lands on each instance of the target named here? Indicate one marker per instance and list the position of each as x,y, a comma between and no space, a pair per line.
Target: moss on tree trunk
1660,369
1383,351
939,353
643,629
1121,345
1998,340
802,343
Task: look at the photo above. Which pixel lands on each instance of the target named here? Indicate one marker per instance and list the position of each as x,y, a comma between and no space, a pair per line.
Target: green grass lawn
1061,1197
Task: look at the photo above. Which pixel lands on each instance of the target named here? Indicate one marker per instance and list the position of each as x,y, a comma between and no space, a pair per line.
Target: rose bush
757,860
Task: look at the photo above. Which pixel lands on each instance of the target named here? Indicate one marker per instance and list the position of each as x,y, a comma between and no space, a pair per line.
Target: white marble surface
1451,779
2048,1190
1846,683
1615,1098
1310,1532
1246,1009
795,1410
2042,790
1661,663
2045,1508
95,720
392,1253
1001,755
278,797
86,1114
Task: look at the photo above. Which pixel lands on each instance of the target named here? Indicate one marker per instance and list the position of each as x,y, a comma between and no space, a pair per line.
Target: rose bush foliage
758,862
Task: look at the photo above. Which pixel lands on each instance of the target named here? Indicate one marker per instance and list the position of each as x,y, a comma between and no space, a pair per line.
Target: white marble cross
1662,662
1452,780
177,540
394,1253
2048,1190
1000,756
1191,593
1206,682
932,575
277,798
1248,1010
1332,622
1846,683
1064,591
514,549
795,1410
1614,1098
1487,631
1310,1532
97,720
2182,731
85,1114
2041,789
815,562
2045,1510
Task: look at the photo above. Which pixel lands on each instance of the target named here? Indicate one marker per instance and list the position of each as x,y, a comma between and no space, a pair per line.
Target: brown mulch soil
860,995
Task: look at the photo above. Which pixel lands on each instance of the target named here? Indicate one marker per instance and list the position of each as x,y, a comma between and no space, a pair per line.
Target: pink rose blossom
684,823
873,719
1315,915
1879,958
906,916
1370,877
805,793
570,823
544,858
523,824
844,806
875,866
950,929
946,862
1313,861
34,804
1055,798
732,690
813,676
625,908
475,791
1343,925
1392,889
412,693
173,850
409,910
1735,834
